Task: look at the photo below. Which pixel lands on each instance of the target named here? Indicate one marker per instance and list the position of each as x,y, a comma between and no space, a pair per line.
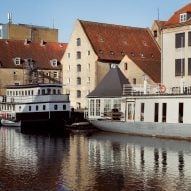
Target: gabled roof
175,18
111,85
112,42
40,53
160,23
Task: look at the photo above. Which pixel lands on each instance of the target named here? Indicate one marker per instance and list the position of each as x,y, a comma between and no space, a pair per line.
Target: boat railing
158,89
39,98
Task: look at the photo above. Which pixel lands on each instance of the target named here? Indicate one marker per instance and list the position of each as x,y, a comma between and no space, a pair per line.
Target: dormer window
17,61
54,62
183,17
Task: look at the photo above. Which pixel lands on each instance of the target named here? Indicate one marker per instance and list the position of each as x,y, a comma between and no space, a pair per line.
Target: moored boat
142,110
9,123
36,105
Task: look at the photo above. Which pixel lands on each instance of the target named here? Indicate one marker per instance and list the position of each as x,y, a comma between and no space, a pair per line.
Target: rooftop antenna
9,18
158,12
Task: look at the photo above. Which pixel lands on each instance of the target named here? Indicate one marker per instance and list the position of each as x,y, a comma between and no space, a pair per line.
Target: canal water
92,162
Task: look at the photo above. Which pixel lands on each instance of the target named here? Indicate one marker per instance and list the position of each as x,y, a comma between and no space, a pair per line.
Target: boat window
19,108
64,107
43,91
59,92
55,107
38,92
98,107
164,109
25,92
156,116
32,92
117,104
29,92
29,108
49,91
36,107
181,109
22,93
91,107
16,93
11,93
54,91
44,107
142,112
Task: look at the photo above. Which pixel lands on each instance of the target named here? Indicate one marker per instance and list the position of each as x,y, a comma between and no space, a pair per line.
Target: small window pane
180,40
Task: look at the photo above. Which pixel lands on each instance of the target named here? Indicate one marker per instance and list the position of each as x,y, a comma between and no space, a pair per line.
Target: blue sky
63,13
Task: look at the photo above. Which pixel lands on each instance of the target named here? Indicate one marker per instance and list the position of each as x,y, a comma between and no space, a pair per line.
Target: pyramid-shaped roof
111,85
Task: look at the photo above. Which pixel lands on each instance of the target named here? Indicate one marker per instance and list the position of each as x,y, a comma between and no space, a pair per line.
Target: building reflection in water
101,161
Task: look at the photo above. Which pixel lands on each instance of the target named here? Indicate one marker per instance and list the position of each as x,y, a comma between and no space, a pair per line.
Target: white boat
36,105
8,123
140,109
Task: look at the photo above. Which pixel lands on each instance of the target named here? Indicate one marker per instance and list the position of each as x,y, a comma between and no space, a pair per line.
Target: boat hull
163,130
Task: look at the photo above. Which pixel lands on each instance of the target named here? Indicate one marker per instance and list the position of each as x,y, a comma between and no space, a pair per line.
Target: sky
62,14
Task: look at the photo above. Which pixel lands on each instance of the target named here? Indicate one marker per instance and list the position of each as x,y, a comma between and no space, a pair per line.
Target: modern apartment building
176,49
25,31
93,48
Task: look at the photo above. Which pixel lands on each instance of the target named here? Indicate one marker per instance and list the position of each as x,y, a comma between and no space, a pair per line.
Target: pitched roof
41,54
175,18
112,42
111,85
160,23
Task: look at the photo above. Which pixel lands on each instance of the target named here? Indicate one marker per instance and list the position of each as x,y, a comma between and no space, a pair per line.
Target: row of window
31,92
79,67
180,67
164,112
37,108
180,39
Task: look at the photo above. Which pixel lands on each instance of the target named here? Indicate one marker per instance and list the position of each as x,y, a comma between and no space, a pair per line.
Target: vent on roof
27,41
111,52
142,55
132,54
43,43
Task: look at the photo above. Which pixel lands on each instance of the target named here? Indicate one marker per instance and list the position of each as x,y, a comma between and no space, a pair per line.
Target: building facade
94,47
24,62
176,49
30,32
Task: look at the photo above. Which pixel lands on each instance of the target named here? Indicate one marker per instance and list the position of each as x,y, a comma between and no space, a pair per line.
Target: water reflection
101,161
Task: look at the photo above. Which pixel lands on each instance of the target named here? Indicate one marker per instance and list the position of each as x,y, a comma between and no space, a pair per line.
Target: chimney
9,18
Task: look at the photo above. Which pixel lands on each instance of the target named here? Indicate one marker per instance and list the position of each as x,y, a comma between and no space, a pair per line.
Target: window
54,91
55,74
189,38
1,33
36,107
17,61
68,55
78,81
78,42
179,67
126,66
78,94
156,117
88,52
78,55
142,112
107,105
29,108
183,17
180,40
98,107
181,109
55,107
155,33
64,107
54,62
134,80
164,109
78,68
189,66
44,107
92,107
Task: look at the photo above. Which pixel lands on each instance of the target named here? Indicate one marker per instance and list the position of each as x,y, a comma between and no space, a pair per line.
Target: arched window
78,67
78,42
78,81
78,94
